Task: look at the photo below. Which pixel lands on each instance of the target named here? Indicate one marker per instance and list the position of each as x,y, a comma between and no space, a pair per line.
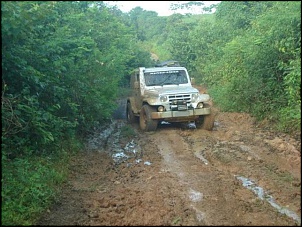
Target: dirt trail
237,174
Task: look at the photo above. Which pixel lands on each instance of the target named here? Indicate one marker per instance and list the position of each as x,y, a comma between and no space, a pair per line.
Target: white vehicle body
165,94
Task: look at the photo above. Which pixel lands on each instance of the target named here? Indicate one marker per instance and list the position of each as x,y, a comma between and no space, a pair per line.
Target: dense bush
64,64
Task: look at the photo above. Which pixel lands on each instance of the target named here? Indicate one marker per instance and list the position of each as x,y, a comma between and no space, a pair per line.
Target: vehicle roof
158,69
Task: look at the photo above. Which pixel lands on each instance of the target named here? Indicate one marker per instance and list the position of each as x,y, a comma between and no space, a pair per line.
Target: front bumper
182,115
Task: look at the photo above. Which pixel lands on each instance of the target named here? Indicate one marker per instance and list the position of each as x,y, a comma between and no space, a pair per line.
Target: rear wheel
130,115
145,120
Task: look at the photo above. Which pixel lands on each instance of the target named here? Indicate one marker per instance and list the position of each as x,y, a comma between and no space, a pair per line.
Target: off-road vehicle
165,94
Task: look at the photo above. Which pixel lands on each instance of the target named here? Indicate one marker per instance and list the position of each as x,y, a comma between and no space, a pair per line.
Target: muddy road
237,174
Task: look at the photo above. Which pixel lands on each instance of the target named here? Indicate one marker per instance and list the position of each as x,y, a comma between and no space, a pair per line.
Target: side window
134,78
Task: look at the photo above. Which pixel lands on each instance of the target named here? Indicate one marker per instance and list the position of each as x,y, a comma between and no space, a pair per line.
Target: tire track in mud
191,179
212,190
196,176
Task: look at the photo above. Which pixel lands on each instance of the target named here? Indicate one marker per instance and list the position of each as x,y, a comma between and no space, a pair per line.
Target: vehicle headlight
200,105
163,98
195,97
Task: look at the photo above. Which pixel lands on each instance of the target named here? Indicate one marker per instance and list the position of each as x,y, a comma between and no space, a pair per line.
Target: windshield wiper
153,84
165,82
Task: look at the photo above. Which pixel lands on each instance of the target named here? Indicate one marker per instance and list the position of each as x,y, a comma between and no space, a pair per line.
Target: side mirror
136,85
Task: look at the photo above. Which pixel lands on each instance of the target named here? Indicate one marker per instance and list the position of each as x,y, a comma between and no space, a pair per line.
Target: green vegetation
31,183
64,65
260,68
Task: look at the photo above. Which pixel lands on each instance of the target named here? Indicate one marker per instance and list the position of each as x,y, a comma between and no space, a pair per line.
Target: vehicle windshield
166,77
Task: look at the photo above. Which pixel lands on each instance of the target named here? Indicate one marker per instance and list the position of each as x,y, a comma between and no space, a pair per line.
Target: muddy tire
208,122
145,121
131,118
205,122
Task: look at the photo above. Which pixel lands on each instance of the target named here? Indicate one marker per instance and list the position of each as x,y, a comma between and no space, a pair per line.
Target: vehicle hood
166,90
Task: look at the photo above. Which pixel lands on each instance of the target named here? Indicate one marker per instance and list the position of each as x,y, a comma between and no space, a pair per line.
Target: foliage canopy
64,64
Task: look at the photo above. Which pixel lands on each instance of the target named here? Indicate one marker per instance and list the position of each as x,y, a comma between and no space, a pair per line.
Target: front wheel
205,122
145,120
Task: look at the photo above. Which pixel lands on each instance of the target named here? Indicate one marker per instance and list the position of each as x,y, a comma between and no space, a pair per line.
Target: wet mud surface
237,174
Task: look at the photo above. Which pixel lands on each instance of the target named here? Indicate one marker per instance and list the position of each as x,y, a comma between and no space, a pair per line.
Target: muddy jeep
165,94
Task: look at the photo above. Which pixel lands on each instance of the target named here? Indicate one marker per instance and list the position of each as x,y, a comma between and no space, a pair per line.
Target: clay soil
241,173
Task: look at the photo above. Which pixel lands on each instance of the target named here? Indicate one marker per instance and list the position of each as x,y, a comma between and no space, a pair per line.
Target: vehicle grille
180,97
